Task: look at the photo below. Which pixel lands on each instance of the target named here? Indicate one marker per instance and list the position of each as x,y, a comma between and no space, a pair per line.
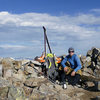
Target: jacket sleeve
64,61
78,62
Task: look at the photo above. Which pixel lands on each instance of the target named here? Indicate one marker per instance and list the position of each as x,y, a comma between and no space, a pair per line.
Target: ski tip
44,28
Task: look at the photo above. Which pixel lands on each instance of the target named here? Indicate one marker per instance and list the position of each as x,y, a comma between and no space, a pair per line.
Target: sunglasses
71,51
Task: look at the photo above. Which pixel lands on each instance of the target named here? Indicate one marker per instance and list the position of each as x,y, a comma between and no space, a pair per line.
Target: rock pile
20,80
91,63
91,66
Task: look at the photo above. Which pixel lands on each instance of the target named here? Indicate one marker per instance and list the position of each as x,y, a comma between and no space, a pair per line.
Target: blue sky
69,23
54,7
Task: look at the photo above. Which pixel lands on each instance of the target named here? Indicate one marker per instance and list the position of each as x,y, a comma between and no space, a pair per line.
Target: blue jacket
74,62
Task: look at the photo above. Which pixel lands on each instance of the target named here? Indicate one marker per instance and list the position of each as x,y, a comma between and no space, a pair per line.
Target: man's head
71,51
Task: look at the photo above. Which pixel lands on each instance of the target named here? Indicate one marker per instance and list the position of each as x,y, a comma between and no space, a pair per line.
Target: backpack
52,69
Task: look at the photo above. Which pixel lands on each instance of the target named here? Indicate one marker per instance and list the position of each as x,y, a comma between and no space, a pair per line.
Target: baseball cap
71,49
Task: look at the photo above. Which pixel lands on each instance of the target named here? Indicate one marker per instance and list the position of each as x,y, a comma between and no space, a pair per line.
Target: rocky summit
23,80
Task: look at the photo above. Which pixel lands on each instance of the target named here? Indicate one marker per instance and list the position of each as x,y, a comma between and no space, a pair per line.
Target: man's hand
65,69
73,73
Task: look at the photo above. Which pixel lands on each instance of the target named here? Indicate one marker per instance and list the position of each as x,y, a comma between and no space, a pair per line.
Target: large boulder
37,96
4,88
17,64
87,62
83,60
27,91
8,74
93,53
34,82
16,93
29,69
31,86
6,65
44,89
20,75
87,72
7,62
91,70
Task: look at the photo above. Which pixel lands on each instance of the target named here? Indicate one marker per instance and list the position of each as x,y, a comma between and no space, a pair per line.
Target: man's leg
75,79
63,78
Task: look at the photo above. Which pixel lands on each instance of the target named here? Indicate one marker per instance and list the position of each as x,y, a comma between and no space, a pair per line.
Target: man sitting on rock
72,68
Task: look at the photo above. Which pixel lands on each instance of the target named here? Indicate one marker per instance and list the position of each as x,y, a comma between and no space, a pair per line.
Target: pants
73,80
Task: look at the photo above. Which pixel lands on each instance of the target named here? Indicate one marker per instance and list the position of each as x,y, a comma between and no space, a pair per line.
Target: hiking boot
64,86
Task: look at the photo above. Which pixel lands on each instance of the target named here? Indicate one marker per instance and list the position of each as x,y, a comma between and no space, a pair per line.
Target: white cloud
8,46
63,24
95,10
63,31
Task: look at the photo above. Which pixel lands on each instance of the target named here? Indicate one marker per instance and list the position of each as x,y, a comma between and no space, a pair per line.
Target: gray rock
4,82
98,60
83,59
7,63
17,64
70,87
87,71
20,75
8,73
25,61
80,94
58,87
87,64
97,73
27,91
36,63
16,93
34,82
34,75
97,67
64,97
88,59
89,53
37,96
44,89
95,53
98,86
4,87
93,65
29,69
90,84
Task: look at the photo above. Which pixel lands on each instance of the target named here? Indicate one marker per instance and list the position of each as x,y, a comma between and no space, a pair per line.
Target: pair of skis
46,41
